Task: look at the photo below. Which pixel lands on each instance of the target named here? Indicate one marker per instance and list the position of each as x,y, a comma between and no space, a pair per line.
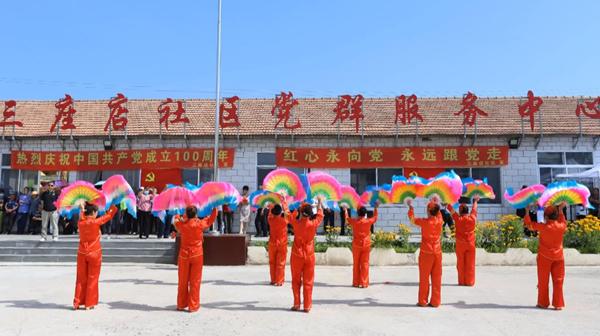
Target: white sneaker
42,239
55,239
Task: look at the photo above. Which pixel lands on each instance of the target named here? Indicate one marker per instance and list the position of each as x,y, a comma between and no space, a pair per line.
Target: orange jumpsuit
302,261
89,259
361,248
550,259
430,258
191,260
465,246
277,247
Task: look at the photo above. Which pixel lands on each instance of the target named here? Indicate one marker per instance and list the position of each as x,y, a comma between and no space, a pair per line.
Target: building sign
120,159
389,157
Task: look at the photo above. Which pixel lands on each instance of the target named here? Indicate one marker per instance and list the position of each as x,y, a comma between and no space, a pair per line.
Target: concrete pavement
35,299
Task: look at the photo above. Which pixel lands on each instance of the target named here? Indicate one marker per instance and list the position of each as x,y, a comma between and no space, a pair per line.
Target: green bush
584,235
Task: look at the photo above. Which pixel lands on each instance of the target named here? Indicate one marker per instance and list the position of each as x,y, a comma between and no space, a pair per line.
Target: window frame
565,165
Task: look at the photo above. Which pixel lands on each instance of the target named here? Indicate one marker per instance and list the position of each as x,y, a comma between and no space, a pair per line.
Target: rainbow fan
286,183
77,194
117,191
192,187
403,191
214,194
263,198
571,192
525,196
174,200
350,198
323,185
472,188
374,194
447,186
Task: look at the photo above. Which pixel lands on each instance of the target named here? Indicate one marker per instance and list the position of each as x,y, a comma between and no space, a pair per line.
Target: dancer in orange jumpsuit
430,257
465,222
191,257
550,258
89,255
361,245
278,221
302,262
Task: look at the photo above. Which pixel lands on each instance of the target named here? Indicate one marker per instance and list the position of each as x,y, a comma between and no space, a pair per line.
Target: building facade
564,143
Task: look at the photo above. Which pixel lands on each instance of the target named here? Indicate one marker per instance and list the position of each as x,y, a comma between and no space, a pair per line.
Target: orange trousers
303,275
430,266
277,258
190,276
88,274
360,274
465,263
545,268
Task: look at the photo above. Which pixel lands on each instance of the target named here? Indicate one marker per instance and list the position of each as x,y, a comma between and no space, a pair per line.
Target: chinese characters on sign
593,107
470,110
64,115
282,110
121,159
167,116
386,157
349,107
530,107
9,114
407,109
228,114
117,121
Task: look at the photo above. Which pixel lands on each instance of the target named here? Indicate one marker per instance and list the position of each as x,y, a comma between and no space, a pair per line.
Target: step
75,243
170,251
73,258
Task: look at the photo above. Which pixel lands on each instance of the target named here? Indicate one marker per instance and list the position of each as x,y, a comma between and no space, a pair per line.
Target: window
493,179
189,175
131,176
265,163
551,164
360,179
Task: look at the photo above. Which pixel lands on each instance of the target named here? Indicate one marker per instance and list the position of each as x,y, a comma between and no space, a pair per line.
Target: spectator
595,201
10,209
48,196
23,211
227,218
264,222
2,201
342,222
244,210
144,215
35,213
448,221
328,219
259,219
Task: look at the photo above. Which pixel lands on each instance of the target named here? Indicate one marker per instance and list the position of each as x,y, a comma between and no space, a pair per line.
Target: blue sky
154,49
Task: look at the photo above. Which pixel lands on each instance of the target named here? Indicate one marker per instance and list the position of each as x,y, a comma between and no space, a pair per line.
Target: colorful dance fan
447,186
192,187
374,194
263,198
117,191
77,194
481,188
522,198
403,191
174,200
215,194
324,186
571,192
350,198
286,183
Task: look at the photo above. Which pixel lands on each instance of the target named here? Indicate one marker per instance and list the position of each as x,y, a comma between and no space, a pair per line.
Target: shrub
584,235
332,235
383,239
501,235
403,235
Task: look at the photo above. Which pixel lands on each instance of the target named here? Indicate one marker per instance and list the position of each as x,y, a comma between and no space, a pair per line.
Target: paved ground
140,300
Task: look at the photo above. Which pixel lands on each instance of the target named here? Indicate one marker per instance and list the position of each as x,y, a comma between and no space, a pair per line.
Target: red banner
161,158
159,178
391,157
